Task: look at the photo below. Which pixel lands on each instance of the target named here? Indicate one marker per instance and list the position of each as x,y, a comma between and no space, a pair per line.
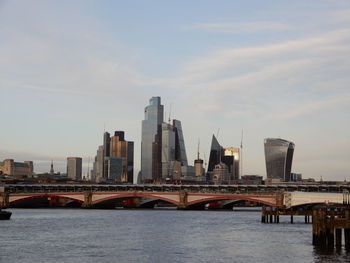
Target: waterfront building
74,168
278,157
151,140
10,167
220,174
296,177
251,179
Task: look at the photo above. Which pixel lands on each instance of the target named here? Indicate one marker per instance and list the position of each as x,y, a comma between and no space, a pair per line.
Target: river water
163,235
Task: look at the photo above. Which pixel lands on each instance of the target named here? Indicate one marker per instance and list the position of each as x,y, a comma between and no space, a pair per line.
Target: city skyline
279,70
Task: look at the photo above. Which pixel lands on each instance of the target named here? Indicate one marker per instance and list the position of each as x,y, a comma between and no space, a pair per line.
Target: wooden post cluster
272,214
328,221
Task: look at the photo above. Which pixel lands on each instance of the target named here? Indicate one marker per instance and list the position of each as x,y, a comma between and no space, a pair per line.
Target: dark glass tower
279,157
216,152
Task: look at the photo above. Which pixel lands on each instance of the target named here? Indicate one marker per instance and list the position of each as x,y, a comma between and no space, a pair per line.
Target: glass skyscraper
228,156
279,157
151,138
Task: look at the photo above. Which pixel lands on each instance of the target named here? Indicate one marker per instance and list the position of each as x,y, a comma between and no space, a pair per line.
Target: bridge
181,196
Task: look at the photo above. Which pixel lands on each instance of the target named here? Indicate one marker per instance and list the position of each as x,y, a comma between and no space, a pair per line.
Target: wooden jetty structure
328,224
272,214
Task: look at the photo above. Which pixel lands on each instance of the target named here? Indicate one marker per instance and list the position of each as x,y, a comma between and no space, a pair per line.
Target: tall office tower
231,159
130,157
180,154
115,168
74,168
151,140
99,163
168,150
119,148
216,152
106,153
279,157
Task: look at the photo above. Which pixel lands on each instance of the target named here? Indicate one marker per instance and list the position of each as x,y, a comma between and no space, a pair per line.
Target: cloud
241,28
341,15
250,75
315,107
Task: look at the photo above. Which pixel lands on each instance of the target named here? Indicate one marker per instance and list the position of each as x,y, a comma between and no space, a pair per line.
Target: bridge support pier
4,200
183,197
87,200
132,203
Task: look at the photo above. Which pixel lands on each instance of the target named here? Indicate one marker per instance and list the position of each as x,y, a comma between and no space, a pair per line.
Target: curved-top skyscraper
278,157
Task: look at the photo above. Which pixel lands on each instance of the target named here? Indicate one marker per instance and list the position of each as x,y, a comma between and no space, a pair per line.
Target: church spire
51,169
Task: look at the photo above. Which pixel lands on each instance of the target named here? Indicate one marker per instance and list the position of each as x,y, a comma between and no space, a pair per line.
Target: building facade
151,140
278,157
229,156
74,168
114,160
10,167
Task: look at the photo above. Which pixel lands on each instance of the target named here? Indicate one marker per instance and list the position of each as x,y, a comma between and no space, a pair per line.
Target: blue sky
271,68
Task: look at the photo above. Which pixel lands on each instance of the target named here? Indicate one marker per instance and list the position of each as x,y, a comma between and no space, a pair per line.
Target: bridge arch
232,197
134,195
49,197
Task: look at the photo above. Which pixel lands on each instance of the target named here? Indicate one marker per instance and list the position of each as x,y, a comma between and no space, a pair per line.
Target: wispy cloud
241,28
341,15
315,107
263,74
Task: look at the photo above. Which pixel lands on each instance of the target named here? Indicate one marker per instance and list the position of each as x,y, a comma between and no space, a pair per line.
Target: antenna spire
169,113
241,153
198,149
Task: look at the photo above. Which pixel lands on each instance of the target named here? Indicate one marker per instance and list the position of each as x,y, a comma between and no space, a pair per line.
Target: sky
275,69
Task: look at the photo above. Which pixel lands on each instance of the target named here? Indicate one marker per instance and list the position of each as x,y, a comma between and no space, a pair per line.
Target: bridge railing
45,188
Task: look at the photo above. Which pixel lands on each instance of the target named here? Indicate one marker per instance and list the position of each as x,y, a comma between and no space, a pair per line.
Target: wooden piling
338,237
347,238
263,214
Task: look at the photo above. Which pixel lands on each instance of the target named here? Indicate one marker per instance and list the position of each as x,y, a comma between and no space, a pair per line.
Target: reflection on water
331,255
163,235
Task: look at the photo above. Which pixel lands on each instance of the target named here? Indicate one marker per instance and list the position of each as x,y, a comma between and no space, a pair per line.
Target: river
162,235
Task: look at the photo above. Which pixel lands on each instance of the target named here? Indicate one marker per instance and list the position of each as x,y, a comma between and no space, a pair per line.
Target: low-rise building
10,167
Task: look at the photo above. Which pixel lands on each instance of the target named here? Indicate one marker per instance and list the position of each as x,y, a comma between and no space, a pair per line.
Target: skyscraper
119,148
74,168
231,159
215,154
168,150
180,153
228,156
151,140
279,157
115,159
